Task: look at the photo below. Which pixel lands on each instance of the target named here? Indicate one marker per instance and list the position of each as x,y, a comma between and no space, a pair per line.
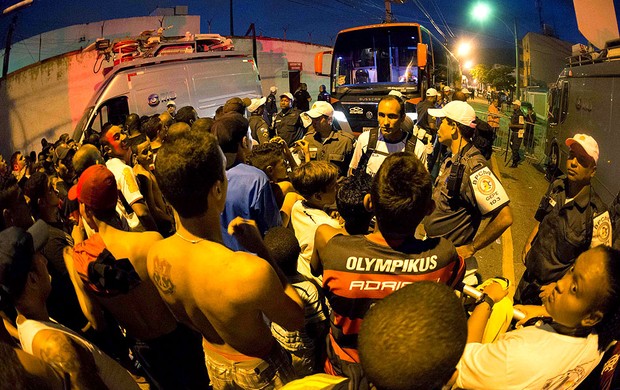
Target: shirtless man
226,295
173,354
143,160
25,285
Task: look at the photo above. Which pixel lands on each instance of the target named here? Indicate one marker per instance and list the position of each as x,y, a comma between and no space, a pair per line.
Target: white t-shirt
127,186
305,221
529,358
111,373
382,150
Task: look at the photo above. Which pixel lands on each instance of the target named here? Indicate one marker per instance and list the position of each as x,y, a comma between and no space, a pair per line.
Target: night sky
316,21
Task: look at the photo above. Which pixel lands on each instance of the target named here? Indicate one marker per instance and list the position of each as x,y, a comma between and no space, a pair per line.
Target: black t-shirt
301,100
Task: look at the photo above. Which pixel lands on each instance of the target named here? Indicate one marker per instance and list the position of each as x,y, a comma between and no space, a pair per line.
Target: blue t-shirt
249,196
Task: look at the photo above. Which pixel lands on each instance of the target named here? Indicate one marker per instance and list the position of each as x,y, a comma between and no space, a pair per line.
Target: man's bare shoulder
65,354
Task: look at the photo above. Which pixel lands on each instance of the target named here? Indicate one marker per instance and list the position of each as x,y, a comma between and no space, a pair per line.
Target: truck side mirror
319,62
422,54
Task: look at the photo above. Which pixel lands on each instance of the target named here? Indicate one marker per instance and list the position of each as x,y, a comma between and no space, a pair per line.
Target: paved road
525,186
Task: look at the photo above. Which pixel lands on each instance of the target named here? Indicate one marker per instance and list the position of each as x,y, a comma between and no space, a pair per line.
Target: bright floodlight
481,11
463,49
468,64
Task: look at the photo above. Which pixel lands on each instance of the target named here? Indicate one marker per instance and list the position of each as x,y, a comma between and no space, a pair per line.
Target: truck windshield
81,125
381,55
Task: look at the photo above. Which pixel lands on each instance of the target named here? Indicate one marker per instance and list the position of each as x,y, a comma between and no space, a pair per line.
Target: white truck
187,71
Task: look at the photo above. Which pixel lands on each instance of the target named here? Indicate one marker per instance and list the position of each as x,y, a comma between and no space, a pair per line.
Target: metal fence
535,154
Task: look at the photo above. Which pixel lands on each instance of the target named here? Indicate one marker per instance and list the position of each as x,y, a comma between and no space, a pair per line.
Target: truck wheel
553,163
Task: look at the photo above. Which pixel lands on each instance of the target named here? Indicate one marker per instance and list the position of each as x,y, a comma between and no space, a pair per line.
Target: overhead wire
431,20
445,23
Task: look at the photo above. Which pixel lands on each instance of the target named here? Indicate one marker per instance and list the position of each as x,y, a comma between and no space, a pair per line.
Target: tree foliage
479,72
499,77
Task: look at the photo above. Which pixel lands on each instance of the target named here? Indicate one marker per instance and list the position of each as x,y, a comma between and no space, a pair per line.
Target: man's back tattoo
161,275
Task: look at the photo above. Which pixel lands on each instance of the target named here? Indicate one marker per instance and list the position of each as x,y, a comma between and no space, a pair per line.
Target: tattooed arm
66,355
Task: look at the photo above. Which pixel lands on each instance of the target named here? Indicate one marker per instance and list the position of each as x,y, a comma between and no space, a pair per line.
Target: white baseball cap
517,102
431,92
171,103
588,144
456,110
256,103
318,109
447,89
273,89
396,93
287,95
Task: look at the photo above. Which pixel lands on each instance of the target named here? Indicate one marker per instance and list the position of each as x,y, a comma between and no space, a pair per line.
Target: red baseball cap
96,188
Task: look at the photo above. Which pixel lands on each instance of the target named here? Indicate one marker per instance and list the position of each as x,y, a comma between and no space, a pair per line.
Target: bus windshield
382,55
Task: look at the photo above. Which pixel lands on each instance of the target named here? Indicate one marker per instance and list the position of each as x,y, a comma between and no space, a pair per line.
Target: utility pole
388,11
232,28
7,47
516,60
252,29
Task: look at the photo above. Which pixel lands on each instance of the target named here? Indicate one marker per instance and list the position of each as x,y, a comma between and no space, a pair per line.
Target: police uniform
458,213
259,129
567,228
337,148
288,125
517,119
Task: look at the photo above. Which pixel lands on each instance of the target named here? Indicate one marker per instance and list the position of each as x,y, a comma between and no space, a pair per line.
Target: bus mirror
322,63
422,54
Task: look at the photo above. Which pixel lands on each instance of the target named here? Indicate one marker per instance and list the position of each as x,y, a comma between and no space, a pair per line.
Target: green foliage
500,77
479,72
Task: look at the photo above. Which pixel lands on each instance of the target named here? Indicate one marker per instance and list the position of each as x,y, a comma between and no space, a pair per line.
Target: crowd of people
267,248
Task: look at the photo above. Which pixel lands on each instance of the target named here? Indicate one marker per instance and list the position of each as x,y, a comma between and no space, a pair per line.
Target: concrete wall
274,56
64,40
544,58
45,100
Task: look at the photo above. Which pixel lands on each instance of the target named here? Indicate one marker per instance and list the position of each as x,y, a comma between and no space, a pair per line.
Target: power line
421,7
445,23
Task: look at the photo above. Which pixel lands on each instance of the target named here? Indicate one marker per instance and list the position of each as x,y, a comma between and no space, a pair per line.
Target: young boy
268,157
305,345
359,271
316,182
350,203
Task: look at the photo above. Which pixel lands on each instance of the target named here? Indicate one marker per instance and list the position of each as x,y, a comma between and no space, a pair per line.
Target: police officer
287,123
324,141
571,218
517,126
466,189
271,108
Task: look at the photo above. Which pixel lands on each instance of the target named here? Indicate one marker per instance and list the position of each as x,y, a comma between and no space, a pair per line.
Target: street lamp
482,12
463,49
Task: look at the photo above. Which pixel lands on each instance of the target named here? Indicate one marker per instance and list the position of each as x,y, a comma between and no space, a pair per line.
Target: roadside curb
508,268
